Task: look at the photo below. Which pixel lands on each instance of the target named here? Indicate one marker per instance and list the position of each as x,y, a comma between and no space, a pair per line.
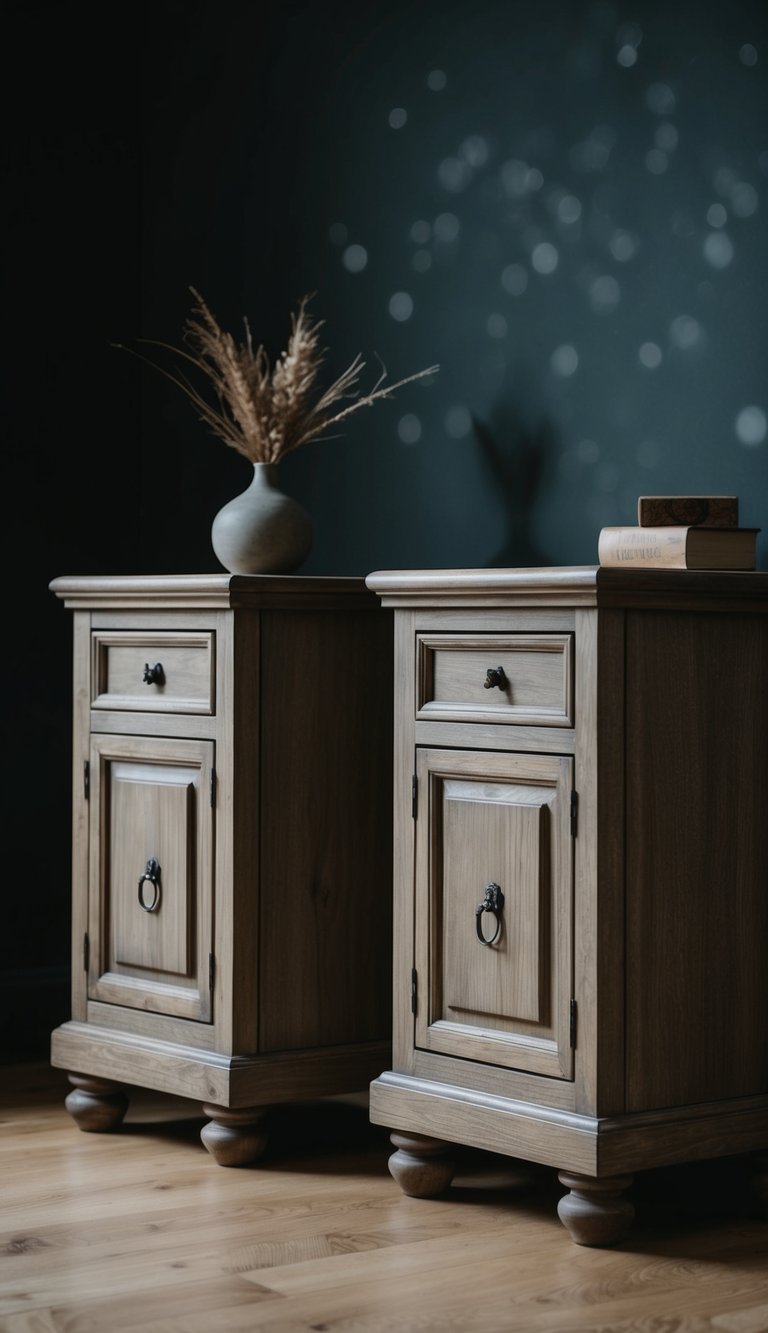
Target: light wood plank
140,1232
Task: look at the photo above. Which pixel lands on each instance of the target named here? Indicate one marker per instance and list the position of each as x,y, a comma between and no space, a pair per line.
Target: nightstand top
574,585
192,591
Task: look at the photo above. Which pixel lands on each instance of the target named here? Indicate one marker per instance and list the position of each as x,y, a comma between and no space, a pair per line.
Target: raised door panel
493,833
151,899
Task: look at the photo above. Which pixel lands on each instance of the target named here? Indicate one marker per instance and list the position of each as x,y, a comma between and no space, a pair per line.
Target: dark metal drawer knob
495,678
154,675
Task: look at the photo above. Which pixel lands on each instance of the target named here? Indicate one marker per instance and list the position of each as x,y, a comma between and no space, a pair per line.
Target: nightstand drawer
153,671
523,679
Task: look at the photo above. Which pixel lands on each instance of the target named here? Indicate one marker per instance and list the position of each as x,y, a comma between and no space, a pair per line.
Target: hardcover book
678,547
701,511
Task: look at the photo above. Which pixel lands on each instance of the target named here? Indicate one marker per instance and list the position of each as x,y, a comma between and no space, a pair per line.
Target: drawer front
153,671
524,679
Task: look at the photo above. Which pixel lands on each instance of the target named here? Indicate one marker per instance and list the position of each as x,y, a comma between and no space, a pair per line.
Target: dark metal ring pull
493,902
154,675
495,677
152,876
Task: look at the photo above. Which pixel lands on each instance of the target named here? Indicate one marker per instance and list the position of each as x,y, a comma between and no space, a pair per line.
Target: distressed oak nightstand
581,875
232,849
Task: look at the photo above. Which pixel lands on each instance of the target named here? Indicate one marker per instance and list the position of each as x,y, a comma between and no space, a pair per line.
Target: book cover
702,511
678,547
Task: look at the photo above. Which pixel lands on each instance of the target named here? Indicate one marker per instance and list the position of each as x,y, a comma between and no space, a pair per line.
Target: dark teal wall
563,204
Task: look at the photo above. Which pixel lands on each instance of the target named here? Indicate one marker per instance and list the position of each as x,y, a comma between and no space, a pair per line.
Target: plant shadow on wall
265,411
518,457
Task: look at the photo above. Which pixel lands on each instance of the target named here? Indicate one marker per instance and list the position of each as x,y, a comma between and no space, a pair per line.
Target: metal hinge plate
87,780
574,813
414,990
414,795
86,952
211,971
572,1024
213,788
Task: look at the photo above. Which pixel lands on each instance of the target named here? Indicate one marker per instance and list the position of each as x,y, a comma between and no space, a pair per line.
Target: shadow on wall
518,457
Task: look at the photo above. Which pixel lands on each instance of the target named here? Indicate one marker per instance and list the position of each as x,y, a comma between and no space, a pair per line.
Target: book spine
647,548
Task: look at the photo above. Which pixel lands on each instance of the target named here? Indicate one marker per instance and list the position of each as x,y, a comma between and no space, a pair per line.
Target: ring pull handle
495,678
154,675
151,876
493,902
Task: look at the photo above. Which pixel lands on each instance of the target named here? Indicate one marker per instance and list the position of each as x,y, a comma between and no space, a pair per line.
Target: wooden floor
141,1230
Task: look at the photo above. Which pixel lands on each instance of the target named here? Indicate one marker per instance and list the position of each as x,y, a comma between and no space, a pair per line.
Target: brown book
680,547
700,511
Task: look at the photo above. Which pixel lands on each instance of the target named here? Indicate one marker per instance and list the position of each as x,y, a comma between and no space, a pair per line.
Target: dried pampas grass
266,412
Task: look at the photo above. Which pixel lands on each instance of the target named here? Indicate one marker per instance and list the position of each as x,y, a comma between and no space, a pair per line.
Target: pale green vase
263,530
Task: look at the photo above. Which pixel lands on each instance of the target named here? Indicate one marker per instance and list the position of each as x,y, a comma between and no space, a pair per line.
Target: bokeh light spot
684,332
400,306
436,80
545,257
409,428
751,426
650,355
458,422
604,293
355,258
514,279
718,249
398,116
564,361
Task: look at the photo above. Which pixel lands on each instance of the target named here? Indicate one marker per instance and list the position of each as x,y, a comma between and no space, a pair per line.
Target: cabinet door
150,874
490,822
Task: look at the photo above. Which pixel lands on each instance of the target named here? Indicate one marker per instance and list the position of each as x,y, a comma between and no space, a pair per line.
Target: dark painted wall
562,204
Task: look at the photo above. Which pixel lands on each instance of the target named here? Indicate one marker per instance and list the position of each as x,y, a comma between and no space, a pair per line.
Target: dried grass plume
265,411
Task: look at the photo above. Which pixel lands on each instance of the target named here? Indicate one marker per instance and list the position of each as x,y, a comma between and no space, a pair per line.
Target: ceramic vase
263,530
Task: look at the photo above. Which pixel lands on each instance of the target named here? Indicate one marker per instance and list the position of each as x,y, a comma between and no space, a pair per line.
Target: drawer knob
151,876
493,902
154,675
495,678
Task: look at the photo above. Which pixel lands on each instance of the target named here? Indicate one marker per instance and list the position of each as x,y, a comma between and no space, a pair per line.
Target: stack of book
681,532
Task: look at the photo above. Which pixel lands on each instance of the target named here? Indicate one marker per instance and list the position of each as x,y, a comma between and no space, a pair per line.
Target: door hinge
414,795
572,1024
86,952
414,989
574,813
211,971
213,788
87,780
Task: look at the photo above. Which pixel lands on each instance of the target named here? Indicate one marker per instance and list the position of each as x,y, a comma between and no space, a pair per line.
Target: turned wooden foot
95,1104
760,1181
234,1136
594,1211
421,1166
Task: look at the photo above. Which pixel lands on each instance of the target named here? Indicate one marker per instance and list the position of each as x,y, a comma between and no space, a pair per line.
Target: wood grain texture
140,1232
697,858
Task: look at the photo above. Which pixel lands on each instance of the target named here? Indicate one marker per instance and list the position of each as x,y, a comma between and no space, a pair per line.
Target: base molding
208,1076
587,1145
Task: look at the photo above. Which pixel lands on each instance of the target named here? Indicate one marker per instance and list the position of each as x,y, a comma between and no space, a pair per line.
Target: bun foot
421,1166
234,1136
594,1212
96,1105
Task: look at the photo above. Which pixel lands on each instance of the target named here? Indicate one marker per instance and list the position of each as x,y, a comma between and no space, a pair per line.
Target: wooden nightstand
581,875
232,849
